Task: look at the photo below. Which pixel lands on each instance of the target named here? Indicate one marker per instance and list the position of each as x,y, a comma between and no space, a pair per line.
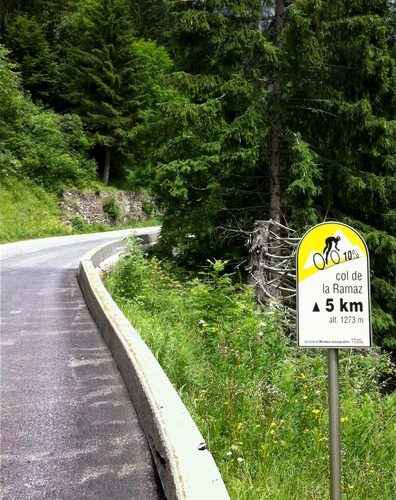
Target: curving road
69,430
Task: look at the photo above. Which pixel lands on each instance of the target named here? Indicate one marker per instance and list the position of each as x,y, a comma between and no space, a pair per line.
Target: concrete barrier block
186,468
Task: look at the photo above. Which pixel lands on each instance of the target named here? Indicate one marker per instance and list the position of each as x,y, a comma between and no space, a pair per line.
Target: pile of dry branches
272,263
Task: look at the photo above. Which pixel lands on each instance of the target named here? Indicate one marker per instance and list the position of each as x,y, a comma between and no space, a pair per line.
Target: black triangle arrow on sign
316,308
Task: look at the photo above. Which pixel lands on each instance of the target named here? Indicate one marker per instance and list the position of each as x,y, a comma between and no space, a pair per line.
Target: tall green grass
28,211
260,403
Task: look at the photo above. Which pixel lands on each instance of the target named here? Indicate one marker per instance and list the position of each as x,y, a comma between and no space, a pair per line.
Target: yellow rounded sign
333,288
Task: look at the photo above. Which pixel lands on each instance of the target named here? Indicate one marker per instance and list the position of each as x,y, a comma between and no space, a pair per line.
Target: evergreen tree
207,168
45,11
29,47
113,77
101,66
151,19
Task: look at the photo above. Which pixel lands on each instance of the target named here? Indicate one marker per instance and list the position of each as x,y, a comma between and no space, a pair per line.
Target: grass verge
28,211
260,403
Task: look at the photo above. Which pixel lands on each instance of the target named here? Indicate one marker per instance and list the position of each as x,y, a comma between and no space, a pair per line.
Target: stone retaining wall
88,206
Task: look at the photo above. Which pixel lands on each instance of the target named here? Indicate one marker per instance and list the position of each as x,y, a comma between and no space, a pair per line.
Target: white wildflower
240,460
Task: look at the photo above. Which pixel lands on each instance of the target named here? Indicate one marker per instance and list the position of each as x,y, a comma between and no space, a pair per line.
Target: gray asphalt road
69,430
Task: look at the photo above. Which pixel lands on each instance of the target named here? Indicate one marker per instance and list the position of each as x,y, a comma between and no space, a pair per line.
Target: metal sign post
333,310
334,424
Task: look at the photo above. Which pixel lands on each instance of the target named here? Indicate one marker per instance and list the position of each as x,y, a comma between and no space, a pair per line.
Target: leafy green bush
78,224
111,208
260,402
36,143
149,208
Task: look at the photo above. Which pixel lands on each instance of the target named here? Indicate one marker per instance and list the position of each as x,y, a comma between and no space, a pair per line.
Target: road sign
333,288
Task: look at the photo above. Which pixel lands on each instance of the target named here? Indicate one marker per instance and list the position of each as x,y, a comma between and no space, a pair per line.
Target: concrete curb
186,468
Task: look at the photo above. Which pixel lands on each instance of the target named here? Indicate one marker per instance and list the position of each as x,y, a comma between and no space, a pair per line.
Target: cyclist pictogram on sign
321,260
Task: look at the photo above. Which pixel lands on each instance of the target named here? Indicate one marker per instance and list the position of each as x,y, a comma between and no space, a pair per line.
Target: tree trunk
258,276
106,168
277,128
275,170
264,249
